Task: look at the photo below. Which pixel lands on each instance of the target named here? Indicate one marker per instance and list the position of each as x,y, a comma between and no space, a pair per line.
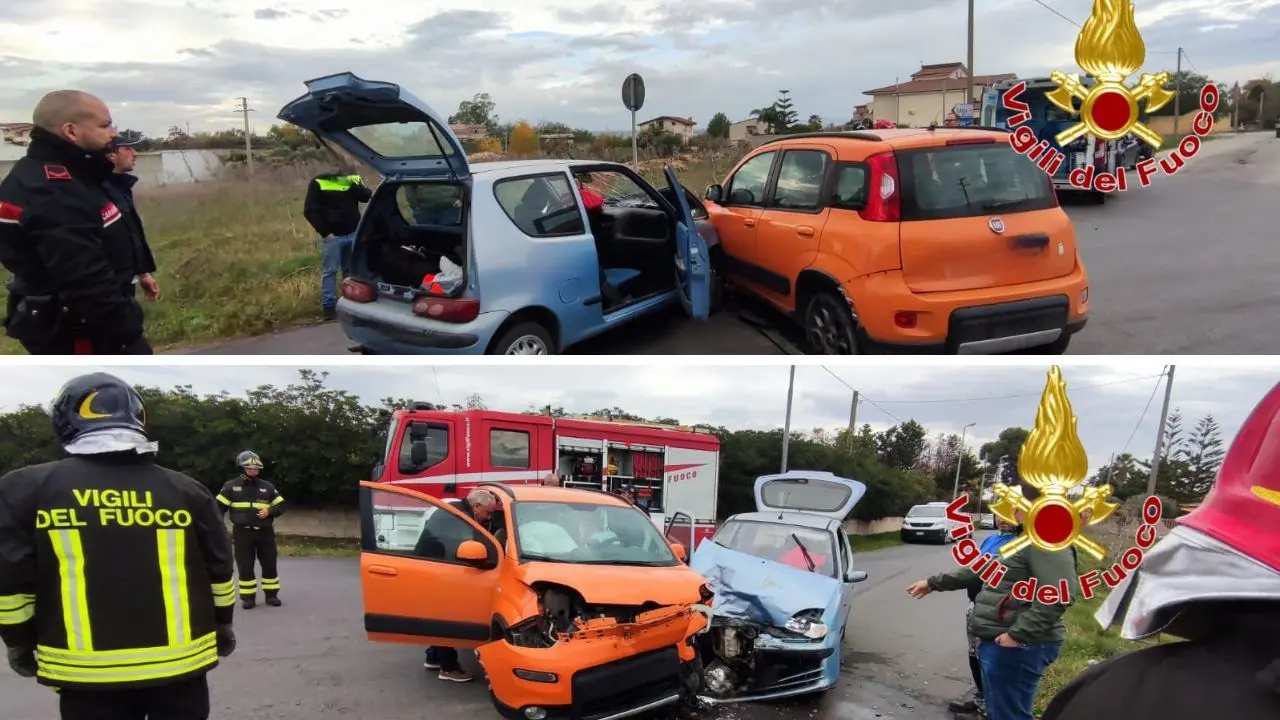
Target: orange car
576,605
904,240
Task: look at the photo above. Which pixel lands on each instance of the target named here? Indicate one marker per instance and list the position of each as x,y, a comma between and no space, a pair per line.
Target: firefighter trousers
183,700
256,543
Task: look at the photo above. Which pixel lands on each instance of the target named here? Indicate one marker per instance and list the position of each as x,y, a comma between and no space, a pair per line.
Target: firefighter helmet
248,459
97,401
1242,508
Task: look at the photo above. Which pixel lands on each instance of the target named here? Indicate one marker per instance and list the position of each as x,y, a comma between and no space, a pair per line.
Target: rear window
970,180
409,139
805,494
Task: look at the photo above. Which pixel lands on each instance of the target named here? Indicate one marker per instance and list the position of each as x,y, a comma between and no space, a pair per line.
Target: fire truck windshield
589,534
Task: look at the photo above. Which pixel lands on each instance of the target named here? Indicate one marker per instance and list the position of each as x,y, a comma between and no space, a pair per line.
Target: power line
859,396
1188,59
1055,11
1143,416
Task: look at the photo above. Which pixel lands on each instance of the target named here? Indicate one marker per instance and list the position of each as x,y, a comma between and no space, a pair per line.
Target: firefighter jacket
115,570
69,248
332,205
243,497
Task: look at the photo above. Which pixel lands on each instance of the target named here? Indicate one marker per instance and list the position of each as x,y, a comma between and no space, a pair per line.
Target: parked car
576,605
499,257
939,240
783,579
928,522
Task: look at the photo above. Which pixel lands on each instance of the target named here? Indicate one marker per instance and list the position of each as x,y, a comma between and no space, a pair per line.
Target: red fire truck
673,470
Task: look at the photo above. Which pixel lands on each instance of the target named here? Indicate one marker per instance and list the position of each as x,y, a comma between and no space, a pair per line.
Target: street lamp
955,489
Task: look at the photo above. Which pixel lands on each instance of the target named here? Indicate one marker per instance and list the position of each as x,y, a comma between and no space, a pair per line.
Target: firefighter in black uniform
254,505
66,243
116,582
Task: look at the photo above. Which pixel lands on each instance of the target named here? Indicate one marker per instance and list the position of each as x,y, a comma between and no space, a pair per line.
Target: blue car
783,578
501,257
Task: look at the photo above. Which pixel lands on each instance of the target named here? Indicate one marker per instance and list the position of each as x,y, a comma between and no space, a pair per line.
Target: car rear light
971,141
905,320
883,202
357,291
453,310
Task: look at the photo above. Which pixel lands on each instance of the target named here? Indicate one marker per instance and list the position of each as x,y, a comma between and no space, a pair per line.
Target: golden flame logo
1110,48
1053,461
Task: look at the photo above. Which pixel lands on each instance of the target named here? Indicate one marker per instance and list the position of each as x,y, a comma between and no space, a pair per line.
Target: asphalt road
309,660
1185,266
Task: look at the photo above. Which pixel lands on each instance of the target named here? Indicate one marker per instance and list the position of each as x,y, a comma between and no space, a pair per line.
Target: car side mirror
855,576
472,551
418,452
714,193
682,553
378,469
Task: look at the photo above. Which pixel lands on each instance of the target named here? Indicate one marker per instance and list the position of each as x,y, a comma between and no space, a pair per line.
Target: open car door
380,124
416,587
808,491
693,264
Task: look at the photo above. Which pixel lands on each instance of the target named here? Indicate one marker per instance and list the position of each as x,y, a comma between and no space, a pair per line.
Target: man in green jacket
1018,640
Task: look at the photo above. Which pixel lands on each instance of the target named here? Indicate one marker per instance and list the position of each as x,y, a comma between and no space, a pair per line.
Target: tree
1172,445
551,127
1204,457
1189,97
479,110
769,116
902,445
523,141
786,114
1008,444
718,126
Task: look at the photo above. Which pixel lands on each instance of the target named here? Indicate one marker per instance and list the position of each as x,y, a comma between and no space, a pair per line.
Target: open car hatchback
499,257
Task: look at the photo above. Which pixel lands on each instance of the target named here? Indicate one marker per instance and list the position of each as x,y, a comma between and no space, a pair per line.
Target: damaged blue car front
783,579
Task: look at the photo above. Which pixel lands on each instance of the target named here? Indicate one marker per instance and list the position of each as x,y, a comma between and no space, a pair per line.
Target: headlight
807,627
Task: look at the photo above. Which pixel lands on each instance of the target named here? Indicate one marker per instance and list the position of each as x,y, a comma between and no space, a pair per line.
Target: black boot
273,600
248,602
966,704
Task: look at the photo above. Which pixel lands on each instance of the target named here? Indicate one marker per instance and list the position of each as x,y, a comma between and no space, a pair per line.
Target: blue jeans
335,255
1010,677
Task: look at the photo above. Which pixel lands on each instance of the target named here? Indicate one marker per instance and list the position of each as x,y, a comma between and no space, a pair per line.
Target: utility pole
1177,107
244,109
786,429
955,488
971,95
1164,416
853,420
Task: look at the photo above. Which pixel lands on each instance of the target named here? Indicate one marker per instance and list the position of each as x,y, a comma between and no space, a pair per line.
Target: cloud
1108,400
553,59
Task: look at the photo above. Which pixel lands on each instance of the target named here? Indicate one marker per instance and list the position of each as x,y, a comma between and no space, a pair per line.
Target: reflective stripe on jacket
243,497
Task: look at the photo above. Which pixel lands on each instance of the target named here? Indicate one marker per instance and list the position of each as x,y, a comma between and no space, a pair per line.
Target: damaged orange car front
576,604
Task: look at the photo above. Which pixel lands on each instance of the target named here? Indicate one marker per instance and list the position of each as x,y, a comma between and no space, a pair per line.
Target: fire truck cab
673,471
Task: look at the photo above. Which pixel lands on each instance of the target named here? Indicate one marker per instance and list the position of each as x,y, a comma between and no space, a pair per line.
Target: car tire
829,326
526,338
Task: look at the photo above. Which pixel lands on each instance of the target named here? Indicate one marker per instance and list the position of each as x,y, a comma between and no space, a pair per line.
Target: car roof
499,169
800,519
873,141
542,493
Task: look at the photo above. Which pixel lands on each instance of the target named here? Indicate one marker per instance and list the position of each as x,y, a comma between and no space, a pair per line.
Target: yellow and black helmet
248,459
97,401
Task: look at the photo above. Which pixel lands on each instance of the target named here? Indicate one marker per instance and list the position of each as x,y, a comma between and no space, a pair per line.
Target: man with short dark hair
332,207
119,187
63,239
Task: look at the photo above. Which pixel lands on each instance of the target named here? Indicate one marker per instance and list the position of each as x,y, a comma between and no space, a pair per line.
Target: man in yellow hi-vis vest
253,504
332,207
116,580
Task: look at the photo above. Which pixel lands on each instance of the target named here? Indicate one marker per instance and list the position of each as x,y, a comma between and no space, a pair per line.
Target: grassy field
305,546
236,257
878,541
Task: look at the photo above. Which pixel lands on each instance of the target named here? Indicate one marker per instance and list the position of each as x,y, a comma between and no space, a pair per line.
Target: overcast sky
167,62
1108,400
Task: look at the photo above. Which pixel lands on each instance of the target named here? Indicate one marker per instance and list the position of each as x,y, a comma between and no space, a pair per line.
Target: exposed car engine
733,665
564,612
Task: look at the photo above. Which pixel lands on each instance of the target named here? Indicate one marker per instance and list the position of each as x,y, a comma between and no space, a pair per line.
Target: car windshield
787,544
927,511
586,533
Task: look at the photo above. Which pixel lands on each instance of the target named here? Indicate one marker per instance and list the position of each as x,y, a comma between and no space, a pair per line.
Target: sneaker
329,313
457,676
430,665
967,704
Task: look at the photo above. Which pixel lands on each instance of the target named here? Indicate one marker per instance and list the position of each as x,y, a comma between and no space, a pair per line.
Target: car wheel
526,338
829,327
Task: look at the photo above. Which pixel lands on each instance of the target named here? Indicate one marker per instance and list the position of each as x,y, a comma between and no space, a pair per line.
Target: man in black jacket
63,239
1213,581
253,504
332,207
116,582
119,188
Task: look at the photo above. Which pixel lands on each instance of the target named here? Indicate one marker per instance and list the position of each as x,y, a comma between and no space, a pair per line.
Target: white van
928,522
